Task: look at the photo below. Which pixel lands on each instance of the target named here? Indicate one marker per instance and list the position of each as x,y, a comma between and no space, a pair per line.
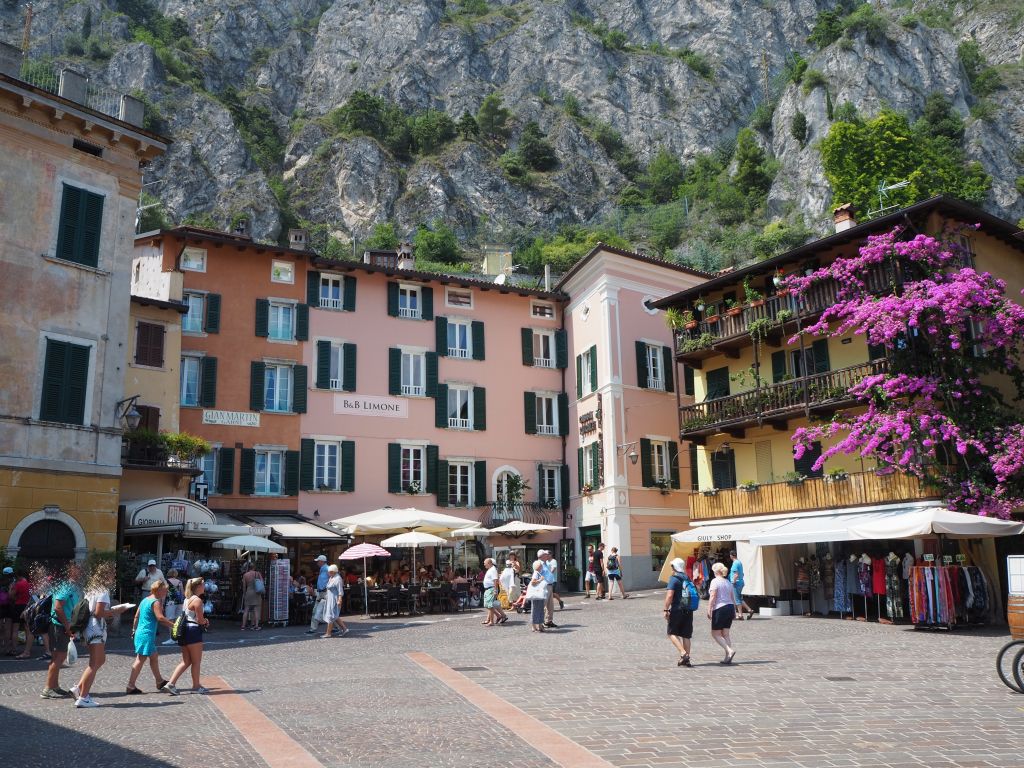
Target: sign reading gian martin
366,405
232,418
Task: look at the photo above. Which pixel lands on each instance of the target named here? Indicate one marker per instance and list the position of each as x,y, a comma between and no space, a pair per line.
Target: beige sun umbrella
413,539
388,520
519,528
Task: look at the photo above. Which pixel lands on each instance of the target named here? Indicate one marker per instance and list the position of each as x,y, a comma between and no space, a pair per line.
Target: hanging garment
803,580
814,572
908,566
893,594
851,576
840,596
864,578
828,576
878,576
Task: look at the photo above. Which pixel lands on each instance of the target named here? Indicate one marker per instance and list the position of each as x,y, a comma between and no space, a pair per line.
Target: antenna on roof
884,188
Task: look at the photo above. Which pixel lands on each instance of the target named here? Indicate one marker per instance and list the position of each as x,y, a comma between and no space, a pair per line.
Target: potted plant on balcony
144,446
836,475
749,486
732,308
680,318
794,478
703,341
709,492
758,329
783,316
185,448
754,297
414,488
586,490
663,486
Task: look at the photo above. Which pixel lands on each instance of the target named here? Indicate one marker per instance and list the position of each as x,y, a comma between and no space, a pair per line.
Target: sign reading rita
366,405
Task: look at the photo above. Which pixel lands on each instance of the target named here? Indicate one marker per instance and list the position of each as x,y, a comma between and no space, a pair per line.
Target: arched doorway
50,542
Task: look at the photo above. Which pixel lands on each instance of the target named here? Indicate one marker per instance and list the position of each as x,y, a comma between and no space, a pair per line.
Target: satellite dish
500,279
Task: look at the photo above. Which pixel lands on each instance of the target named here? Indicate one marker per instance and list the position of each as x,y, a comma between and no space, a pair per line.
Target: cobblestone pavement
803,692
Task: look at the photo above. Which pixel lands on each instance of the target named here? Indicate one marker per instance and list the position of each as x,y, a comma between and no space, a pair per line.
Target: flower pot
711,319
690,325
758,303
734,311
794,482
711,492
783,292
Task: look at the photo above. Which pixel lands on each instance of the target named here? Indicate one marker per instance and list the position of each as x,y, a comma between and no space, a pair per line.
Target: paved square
803,692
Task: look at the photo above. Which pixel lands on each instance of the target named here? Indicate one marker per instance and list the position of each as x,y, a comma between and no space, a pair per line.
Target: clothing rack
948,596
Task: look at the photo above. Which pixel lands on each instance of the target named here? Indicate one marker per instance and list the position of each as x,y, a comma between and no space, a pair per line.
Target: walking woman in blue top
736,577
148,618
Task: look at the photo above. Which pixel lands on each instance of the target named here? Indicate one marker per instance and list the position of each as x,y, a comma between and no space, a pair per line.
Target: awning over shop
190,519
294,528
727,531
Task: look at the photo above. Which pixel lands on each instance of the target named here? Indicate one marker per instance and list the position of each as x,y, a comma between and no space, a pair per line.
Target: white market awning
936,520
293,528
727,531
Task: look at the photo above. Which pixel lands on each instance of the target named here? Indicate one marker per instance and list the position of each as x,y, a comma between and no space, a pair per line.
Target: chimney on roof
406,258
241,228
10,60
297,239
843,216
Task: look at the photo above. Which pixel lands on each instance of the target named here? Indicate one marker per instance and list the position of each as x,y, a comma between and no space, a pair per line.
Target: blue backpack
694,602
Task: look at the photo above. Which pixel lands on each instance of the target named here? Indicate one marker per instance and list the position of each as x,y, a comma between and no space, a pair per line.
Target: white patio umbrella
519,528
364,551
414,539
465,533
250,544
388,520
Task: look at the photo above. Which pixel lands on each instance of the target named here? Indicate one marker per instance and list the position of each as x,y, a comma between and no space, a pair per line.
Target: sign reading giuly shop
232,418
366,405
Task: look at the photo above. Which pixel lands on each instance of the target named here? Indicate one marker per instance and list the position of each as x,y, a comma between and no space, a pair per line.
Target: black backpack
80,616
37,615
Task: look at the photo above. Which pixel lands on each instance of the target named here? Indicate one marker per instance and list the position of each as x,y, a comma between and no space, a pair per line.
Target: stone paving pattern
606,679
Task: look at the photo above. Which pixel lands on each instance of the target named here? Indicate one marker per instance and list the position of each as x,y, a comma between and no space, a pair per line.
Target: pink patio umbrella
364,551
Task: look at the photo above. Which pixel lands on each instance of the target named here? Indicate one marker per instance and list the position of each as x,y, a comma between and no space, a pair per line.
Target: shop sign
232,418
588,423
171,512
367,405
259,530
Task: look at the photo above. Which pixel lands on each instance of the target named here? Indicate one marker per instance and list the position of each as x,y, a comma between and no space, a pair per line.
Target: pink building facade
441,393
631,477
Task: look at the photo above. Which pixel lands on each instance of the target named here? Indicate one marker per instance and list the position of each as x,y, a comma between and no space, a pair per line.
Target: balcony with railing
731,331
153,455
775,403
535,512
856,489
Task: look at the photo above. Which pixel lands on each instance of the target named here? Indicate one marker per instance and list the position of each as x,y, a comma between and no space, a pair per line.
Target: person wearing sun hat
677,611
320,562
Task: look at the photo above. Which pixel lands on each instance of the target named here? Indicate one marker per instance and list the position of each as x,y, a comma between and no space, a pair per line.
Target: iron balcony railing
538,513
776,400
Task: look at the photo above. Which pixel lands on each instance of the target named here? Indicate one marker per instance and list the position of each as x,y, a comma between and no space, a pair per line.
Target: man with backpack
65,597
681,600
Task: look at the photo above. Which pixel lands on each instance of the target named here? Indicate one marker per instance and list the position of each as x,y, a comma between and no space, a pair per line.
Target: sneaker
344,632
201,690
76,691
50,693
310,631
169,642
64,694
161,684
561,605
86,702
132,691
550,624
171,690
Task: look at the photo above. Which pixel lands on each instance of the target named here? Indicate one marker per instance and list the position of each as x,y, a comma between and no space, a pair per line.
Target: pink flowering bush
947,329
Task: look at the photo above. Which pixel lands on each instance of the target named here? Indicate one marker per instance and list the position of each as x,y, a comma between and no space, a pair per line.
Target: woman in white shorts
97,592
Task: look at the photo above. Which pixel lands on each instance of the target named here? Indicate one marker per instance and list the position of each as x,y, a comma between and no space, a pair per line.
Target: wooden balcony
730,332
859,489
775,404
501,512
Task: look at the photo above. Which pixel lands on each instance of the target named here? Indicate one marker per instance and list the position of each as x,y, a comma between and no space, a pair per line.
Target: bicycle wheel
1010,672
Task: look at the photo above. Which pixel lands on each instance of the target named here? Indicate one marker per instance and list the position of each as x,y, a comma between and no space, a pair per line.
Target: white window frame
410,473
655,367
448,300
463,396
589,469
329,281
659,461
464,352
282,272
406,292
186,360
545,403
462,483
542,309
263,487
551,480
200,299
278,368
322,449
337,365
585,368
412,387
542,338
193,253
281,306
210,478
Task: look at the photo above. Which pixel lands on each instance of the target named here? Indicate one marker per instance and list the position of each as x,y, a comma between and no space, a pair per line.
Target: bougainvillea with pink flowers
952,337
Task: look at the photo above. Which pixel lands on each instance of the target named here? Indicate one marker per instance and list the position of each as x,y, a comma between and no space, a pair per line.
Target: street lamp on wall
127,411
632,455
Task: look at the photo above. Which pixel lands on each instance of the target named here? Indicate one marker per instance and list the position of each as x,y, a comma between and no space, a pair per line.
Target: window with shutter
149,417
688,383
479,409
805,464
394,468
723,469
717,382
561,350
325,365
313,289
527,340
226,475
348,465
646,463
431,469
247,472
81,219
820,351
262,318
349,294
301,322
149,344
394,371
208,387
65,382
300,392
257,371
563,414
673,464
291,473
212,313
442,483
593,368
441,336
348,379
666,369
530,412
480,483
642,374
479,351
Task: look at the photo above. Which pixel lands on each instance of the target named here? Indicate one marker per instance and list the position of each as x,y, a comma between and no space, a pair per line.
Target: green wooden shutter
821,361
394,371
257,372
348,294
81,219
579,468
442,483
431,469
393,299
313,289
561,350
431,374
642,374
723,469
291,473
441,335
595,458
717,383
479,409
348,360
564,483
530,412
307,459
211,322
479,350
688,383
69,228
778,366
673,463
579,376
323,364
348,465
208,385
247,472
527,339
262,318
667,362
593,368
92,224
76,383
226,478
480,483
563,414
394,468
427,302
300,388
441,407
54,366
646,464
301,322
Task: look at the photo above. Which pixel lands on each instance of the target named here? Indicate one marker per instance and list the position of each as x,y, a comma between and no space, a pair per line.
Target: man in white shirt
494,613
548,570
148,576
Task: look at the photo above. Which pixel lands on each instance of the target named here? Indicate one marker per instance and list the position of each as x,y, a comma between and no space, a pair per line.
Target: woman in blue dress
148,619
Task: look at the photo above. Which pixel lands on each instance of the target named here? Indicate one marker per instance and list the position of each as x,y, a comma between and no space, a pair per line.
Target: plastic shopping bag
72,654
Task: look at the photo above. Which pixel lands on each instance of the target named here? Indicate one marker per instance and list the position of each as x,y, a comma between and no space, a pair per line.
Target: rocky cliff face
288,63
